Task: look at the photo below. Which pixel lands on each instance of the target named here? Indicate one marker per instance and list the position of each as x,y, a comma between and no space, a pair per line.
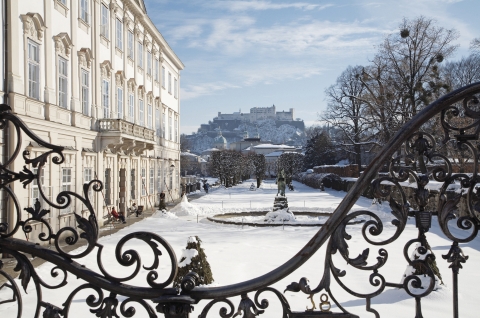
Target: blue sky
243,54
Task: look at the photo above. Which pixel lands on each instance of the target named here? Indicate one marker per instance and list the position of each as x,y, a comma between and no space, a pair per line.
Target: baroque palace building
97,77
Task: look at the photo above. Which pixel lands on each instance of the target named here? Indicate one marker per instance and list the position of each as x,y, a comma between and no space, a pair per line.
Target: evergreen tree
319,151
194,259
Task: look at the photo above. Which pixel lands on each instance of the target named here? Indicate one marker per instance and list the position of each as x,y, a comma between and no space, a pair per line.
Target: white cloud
275,72
193,91
266,5
236,36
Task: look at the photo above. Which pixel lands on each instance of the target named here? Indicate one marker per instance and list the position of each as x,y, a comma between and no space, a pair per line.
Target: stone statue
281,183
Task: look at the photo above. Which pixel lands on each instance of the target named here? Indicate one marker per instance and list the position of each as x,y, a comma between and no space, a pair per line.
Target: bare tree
185,144
291,163
462,72
347,111
412,57
475,46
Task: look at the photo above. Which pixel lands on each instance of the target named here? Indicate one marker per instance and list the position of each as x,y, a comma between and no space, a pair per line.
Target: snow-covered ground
238,253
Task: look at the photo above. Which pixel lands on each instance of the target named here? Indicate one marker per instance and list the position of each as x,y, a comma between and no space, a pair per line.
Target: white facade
98,78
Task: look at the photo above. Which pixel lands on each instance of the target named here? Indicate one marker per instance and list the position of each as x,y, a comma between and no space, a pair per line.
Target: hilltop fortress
259,113
229,122
264,124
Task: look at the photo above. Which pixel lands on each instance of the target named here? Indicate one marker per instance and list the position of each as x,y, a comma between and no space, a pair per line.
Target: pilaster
49,70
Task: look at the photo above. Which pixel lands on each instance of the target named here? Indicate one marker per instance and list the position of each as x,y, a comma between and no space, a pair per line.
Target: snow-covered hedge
343,171
314,180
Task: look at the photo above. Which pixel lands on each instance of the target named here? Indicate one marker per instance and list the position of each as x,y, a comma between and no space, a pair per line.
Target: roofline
161,40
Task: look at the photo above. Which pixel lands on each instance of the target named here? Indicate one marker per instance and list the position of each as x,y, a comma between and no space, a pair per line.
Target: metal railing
407,152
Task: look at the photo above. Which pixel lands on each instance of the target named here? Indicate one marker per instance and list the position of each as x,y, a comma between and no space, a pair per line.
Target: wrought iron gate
410,154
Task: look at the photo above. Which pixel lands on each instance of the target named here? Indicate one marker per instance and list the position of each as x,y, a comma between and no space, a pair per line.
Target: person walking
162,201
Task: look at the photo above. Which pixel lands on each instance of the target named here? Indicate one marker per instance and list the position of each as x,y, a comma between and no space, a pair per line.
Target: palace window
164,124
35,185
144,185
149,116
87,177
108,186
33,70
157,66
132,184
130,50
85,91
149,63
175,88
119,34
84,11
67,185
104,21
131,110
152,180
176,129
141,113
120,102
106,98
163,77
169,83
170,130
62,82
157,122
140,55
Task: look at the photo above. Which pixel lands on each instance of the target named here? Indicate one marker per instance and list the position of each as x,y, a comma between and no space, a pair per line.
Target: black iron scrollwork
413,155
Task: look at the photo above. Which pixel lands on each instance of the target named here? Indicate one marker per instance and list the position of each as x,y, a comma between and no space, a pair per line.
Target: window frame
130,46
143,175
150,116
175,87
33,84
152,180
36,187
104,21
84,11
170,123
149,63
85,91
120,110
141,112
169,83
140,54
106,97
176,128
157,123
66,185
164,79
119,34
62,72
131,107
108,186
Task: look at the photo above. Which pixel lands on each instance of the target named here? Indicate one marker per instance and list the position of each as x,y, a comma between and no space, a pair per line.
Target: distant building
246,142
220,142
258,113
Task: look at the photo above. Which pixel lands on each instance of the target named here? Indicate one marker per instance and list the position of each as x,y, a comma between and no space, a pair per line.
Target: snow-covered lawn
236,254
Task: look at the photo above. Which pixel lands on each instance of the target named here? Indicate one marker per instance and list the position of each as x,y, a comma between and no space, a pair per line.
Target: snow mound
280,216
164,214
185,208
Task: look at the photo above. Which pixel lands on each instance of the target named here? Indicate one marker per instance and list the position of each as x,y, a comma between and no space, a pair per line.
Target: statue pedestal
280,203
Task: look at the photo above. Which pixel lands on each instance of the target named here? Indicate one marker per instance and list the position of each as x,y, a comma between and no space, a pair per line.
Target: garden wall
333,181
